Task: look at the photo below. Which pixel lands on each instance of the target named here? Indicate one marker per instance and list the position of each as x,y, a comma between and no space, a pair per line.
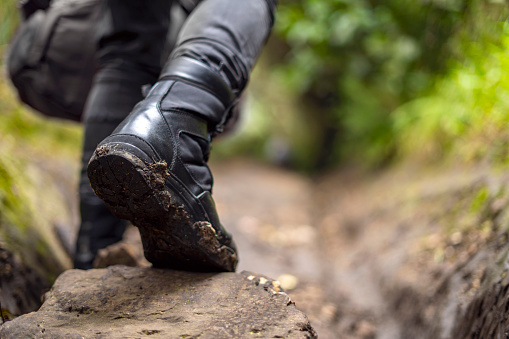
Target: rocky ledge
130,302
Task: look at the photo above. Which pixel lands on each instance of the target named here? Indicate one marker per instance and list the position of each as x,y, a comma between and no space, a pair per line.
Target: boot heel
123,181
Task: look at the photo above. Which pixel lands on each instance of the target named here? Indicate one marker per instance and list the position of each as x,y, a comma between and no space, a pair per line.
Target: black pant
225,35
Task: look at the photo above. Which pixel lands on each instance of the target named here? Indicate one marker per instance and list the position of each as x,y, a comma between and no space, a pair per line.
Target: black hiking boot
153,171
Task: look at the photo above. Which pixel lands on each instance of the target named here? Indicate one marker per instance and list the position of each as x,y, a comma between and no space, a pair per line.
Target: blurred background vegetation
356,81
33,152
372,82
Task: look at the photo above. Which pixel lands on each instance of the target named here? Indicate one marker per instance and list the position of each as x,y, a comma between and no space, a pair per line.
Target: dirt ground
405,253
398,254
270,212
282,224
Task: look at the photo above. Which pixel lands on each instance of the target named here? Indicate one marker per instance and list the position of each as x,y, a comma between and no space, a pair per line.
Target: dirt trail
275,216
397,254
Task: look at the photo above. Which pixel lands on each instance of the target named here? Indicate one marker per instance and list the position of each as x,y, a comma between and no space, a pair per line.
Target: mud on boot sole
141,193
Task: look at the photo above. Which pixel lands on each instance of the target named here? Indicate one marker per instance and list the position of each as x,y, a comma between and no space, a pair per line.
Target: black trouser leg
129,52
99,228
224,35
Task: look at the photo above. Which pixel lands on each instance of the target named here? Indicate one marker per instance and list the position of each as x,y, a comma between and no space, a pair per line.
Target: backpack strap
40,44
29,7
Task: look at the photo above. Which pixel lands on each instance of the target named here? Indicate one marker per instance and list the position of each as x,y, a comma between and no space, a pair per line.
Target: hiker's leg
132,35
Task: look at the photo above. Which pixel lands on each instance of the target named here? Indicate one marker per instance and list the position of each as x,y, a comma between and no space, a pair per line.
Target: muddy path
275,216
398,254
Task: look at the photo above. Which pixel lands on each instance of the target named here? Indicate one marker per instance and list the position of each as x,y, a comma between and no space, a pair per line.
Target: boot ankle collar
198,74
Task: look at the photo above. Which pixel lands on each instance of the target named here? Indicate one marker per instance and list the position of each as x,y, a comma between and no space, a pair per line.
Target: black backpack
51,58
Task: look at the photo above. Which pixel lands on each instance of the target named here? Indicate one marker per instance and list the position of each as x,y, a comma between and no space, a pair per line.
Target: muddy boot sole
146,195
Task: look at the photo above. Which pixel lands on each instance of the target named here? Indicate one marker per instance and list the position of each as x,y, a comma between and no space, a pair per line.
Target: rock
120,253
121,302
128,252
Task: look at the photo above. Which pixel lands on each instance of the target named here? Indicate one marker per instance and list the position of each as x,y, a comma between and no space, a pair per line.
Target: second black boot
153,170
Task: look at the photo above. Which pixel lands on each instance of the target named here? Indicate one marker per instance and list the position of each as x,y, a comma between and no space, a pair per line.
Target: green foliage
371,81
21,224
11,202
479,200
362,81
8,20
336,42
47,136
467,112
359,60
28,195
